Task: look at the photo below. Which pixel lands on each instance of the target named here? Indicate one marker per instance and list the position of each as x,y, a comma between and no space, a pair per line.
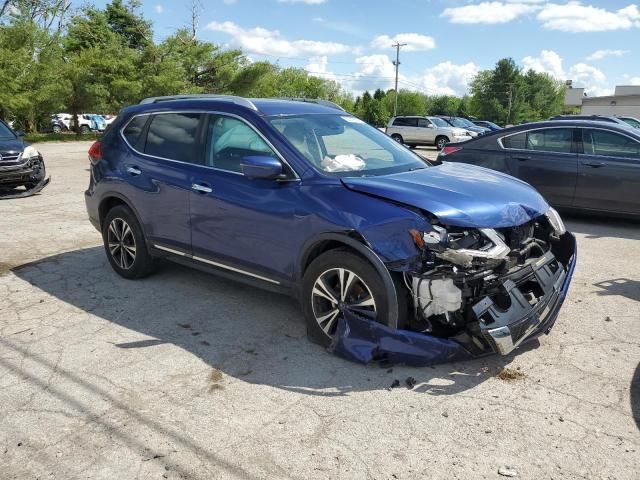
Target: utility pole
397,46
510,92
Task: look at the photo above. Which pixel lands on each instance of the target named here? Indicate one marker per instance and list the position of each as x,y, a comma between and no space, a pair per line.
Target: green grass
59,137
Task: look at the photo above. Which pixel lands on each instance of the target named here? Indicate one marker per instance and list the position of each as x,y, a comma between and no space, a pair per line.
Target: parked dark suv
21,165
450,261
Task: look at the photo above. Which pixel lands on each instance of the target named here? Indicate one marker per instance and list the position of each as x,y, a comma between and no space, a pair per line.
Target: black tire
84,129
397,137
142,263
441,142
412,146
37,176
322,267
57,129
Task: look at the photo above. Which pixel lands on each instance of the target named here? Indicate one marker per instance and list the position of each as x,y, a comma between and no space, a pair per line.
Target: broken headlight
462,246
555,221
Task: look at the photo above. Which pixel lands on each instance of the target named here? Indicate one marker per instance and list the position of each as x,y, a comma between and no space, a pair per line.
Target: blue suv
301,197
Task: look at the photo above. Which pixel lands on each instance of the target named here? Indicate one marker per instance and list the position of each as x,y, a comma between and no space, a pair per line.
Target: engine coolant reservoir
436,297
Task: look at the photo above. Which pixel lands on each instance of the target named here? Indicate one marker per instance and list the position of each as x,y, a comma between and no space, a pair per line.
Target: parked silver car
416,130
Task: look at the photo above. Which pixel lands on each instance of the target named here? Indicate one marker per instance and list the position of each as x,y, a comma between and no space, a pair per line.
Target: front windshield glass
457,122
5,132
344,146
439,122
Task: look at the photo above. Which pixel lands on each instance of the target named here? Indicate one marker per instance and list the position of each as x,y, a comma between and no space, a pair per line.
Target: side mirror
19,133
431,126
261,166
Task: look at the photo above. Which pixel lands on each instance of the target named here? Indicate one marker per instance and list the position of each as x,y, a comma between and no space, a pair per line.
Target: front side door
546,159
608,172
158,175
238,223
426,131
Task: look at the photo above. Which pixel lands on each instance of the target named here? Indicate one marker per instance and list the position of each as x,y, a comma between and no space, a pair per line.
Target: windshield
344,146
5,132
632,121
439,122
457,122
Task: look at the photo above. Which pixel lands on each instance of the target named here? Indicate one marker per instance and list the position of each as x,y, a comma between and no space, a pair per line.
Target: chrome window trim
206,112
535,130
215,264
608,131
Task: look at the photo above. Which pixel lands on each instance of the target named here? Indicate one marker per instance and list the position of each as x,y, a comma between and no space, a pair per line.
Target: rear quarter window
134,129
517,141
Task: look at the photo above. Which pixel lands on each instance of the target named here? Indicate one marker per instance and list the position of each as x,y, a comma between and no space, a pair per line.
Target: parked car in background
575,164
57,124
21,165
593,118
417,130
109,119
87,122
488,125
468,125
634,122
373,240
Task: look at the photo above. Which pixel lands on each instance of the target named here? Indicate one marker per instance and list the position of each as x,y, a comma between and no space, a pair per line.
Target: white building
624,102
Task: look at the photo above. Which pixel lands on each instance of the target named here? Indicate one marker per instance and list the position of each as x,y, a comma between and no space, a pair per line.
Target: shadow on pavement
246,333
635,396
623,287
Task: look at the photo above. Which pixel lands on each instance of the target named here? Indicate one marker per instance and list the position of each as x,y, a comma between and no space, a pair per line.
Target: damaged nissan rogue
391,258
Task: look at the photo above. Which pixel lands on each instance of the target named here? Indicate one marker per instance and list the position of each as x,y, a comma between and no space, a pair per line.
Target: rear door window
557,140
173,136
610,144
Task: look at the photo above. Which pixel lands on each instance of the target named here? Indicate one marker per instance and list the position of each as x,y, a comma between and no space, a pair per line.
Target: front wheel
441,142
336,282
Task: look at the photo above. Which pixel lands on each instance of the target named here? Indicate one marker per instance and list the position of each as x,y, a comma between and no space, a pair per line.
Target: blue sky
595,43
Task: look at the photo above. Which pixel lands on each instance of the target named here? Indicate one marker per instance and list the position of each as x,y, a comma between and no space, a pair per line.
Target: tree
127,24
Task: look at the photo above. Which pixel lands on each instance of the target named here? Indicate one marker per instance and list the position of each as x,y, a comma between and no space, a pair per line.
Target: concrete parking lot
184,375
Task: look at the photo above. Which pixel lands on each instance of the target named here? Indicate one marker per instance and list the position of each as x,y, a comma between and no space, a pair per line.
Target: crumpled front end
19,169
474,292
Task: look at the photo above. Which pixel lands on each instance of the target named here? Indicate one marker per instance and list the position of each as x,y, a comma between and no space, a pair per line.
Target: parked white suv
413,130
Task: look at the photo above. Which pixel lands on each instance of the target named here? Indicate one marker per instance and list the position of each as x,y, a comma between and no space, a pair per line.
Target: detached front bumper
504,329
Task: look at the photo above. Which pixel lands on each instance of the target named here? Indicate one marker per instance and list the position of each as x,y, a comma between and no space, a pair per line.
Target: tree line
54,58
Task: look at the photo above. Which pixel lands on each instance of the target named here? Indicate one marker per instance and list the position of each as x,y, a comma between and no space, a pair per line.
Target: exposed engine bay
488,289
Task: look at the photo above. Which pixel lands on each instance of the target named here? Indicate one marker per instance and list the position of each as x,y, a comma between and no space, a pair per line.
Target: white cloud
308,2
415,42
629,80
489,12
317,67
582,74
576,17
270,42
447,78
159,8
600,54
548,62
229,2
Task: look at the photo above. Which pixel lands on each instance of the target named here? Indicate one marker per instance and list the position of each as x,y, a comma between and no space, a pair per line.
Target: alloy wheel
121,243
339,290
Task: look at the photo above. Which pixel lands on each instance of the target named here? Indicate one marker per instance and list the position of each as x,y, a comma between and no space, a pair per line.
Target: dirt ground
185,375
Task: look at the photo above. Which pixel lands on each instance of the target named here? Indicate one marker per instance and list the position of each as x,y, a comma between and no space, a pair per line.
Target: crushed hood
458,194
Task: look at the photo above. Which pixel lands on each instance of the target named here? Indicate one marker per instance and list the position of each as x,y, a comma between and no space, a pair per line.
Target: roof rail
244,102
319,101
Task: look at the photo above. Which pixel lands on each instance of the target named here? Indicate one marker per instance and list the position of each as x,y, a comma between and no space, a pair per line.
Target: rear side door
242,224
608,172
545,158
158,176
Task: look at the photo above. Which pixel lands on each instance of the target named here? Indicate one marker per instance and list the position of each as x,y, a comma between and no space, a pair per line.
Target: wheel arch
354,242
113,199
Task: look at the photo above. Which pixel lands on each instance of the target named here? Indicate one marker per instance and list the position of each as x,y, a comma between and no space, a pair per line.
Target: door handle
522,159
594,164
133,171
201,188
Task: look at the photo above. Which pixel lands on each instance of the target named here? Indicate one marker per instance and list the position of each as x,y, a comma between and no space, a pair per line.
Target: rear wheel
125,244
441,142
336,282
397,137
84,129
57,129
